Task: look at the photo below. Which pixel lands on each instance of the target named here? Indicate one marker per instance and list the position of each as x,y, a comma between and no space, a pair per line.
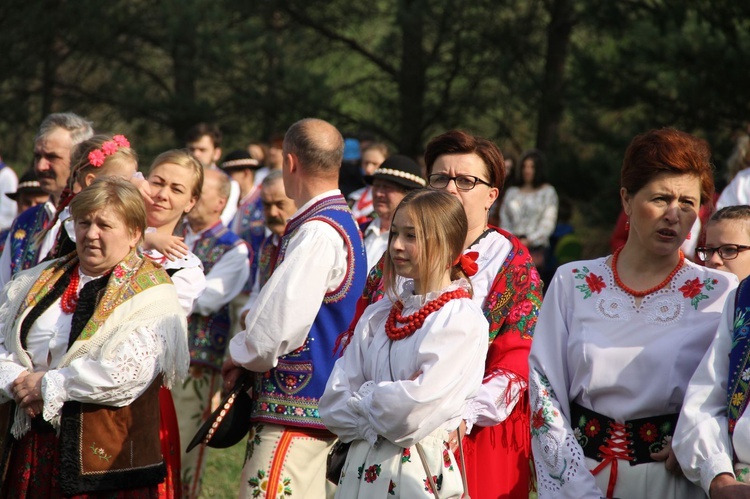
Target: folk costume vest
289,393
739,357
208,335
106,448
24,250
266,254
249,224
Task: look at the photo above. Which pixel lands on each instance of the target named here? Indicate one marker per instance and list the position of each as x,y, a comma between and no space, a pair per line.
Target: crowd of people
384,322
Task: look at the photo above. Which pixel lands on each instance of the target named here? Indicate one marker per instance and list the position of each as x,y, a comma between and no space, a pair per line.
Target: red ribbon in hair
468,262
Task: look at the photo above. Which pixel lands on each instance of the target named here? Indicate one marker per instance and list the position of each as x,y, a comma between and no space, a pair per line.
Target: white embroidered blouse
404,390
593,346
530,214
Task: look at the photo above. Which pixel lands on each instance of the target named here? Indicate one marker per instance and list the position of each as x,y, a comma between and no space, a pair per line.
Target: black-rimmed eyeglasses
725,251
463,182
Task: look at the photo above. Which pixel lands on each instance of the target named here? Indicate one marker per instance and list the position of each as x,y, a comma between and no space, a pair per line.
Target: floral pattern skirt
33,472
388,470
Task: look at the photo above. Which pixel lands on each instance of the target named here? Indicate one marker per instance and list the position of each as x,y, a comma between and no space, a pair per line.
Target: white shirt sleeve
701,440
190,283
224,281
5,261
560,465
315,264
495,401
116,381
736,192
8,207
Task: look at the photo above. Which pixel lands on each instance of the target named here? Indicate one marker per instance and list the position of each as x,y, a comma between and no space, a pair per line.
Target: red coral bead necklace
416,320
641,294
69,300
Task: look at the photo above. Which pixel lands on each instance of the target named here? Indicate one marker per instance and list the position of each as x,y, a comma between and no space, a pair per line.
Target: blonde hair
80,165
182,158
440,227
115,193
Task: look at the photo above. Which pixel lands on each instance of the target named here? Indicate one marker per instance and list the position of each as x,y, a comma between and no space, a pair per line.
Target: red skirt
169,435
498,458
33,472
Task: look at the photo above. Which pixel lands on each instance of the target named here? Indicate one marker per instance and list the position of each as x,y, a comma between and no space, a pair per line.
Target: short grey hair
273,176
318,145
80,129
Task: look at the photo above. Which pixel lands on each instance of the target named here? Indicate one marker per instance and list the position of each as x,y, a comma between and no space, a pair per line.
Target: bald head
317,144
207,211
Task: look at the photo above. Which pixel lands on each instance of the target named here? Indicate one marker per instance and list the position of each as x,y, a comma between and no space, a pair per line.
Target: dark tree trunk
411,77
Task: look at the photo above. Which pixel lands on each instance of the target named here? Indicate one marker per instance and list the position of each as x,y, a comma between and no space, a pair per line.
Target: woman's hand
670,460
230,372
456,435
170,246
725,486
27,391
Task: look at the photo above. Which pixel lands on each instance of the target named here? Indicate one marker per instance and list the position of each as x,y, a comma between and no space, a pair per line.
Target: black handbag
335,461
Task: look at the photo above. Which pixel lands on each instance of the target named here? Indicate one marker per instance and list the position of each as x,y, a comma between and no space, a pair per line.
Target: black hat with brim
239,160
228,424
28,184
400,170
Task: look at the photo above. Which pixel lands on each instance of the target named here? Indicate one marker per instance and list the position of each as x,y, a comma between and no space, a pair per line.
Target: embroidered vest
251,228
739,357
266,255
289,393
208,335
24,250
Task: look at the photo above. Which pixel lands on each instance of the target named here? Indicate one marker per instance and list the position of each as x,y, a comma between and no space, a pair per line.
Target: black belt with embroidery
644,436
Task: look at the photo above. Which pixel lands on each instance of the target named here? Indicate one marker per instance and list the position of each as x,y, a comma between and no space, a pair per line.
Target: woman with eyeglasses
494,433
712,439
529,208
727,240
619,337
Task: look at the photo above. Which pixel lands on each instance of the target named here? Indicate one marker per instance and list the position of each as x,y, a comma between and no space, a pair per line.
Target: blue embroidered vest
251,228
24,250
739,357
208,335
289,393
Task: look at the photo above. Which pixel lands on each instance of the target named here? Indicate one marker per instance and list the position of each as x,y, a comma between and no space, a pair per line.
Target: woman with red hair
619,337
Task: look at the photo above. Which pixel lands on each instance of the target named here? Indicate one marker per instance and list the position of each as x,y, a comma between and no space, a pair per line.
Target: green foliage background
576,78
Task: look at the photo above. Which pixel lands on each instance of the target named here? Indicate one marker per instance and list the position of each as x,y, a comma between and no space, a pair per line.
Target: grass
221,478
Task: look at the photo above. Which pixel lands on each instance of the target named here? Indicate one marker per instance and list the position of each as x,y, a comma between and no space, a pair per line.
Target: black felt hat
239,160
400,170
26,184
228,424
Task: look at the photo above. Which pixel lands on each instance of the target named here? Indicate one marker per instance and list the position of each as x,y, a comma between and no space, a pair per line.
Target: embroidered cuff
716,464
366,389
53,395
471,414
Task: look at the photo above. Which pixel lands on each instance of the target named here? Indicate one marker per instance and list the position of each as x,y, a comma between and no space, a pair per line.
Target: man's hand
230,372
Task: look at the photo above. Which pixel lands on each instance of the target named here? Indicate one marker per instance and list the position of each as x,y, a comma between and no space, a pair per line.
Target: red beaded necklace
641,294
415,320
69,300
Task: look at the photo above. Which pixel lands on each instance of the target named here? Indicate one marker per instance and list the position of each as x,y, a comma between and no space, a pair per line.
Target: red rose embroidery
691,288
537,419
595,283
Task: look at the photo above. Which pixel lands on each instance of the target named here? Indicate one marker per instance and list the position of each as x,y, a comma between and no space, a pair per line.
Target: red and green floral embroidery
438,483
100,452
372,473
253,439
259,484
516,307
648,432
542,417
360,470
693,289
392,488
592,283
447,460
406,456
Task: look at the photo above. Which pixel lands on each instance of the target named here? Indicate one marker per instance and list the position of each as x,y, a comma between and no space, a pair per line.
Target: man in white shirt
226,263
58,134
203,142
393,179
318,275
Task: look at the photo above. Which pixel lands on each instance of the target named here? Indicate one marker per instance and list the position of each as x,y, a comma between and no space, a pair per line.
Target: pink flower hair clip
97,156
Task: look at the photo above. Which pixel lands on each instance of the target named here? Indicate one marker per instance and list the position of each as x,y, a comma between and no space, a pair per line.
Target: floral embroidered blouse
595,347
